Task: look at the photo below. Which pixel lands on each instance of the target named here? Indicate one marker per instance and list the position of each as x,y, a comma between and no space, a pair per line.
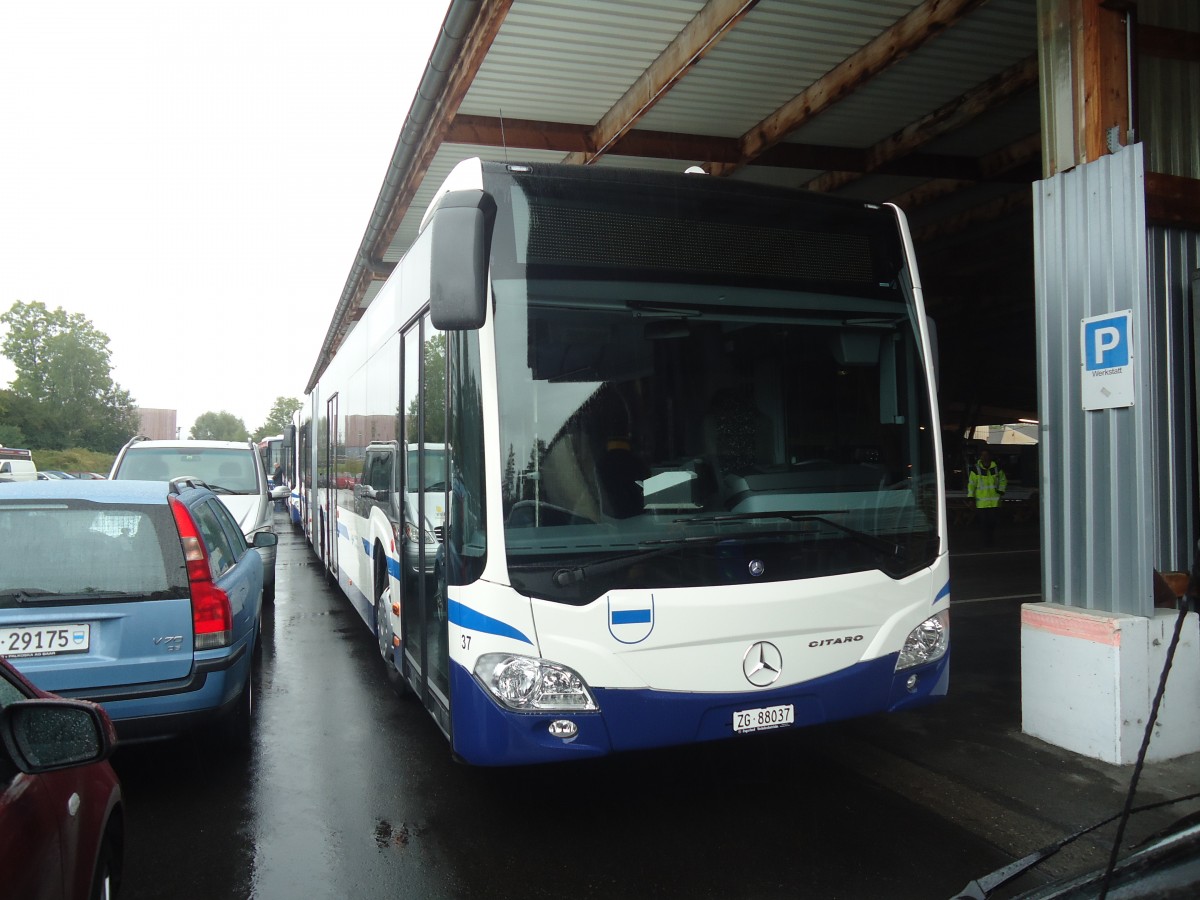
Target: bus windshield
710,391
435,468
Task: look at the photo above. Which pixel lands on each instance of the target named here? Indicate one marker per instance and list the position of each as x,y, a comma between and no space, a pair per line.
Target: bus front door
423,475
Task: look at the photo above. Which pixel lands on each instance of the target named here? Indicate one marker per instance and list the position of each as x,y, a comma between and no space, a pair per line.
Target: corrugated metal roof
947,67
775,52
554,69
565,61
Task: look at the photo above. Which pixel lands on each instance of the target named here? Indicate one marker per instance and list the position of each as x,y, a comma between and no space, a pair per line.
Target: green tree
219,426
11,436
63,394
279,418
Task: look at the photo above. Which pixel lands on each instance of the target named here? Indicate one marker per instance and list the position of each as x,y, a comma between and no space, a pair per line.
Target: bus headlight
926,643
526,684
417,535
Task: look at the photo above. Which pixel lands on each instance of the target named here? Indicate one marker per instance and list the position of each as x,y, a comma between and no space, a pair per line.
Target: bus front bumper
487,734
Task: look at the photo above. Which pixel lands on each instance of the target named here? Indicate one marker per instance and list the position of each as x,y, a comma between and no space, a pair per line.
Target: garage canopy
932,105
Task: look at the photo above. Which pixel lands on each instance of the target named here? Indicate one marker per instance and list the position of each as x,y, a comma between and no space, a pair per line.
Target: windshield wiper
566,576
40,595
891,548
25,595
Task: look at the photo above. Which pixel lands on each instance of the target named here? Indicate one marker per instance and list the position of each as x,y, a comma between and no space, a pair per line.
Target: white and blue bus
619,459
280,455
274,457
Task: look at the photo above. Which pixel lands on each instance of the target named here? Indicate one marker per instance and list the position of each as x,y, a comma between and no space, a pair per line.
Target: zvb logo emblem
630,616
763,664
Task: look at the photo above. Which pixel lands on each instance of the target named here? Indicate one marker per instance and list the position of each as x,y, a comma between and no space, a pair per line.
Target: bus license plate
45,640
763,719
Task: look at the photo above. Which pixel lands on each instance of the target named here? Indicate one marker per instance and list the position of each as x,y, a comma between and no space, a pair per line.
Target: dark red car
61,813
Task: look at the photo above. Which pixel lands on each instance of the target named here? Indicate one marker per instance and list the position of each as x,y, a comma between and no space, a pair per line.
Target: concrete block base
1088,681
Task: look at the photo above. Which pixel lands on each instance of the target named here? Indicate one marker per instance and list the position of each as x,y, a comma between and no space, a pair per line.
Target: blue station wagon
142,596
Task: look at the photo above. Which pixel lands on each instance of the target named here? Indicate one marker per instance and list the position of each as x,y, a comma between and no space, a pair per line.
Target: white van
232,470
435,499
16,465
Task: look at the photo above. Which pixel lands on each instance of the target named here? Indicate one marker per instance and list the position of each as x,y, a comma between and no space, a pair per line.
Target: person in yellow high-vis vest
987,484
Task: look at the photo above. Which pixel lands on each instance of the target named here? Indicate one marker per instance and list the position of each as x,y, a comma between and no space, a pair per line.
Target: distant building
157,424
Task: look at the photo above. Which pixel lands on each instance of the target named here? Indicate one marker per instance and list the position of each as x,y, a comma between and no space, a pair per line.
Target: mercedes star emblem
762,664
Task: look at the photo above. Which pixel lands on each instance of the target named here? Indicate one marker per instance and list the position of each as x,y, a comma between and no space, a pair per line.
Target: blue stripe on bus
944,592
465,617
630,616
343,531
393,565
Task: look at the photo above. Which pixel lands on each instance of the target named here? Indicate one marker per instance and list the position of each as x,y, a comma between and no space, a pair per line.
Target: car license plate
45,640
764,719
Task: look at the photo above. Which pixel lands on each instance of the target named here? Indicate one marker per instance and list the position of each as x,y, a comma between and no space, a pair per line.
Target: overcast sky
196,177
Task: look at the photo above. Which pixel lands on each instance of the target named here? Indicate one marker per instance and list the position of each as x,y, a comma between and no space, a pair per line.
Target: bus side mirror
458,281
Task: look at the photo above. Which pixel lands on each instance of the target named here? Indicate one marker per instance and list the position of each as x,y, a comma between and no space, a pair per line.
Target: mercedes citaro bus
686,480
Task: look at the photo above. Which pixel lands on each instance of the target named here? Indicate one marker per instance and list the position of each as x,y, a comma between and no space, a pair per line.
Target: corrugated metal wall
1099,468
1174,255
1168,92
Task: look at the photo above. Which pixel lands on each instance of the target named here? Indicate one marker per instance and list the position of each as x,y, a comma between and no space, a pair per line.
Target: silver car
232,470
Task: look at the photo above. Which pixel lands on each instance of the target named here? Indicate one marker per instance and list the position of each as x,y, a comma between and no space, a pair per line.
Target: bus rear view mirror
458,281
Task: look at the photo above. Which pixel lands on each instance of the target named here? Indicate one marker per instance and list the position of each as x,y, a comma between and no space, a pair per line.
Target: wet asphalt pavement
350,791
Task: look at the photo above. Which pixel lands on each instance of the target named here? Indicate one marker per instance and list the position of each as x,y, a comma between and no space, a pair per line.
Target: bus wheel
383,639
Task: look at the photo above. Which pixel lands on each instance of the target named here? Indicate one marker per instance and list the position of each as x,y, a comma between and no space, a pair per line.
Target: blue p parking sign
1106,342
1107,345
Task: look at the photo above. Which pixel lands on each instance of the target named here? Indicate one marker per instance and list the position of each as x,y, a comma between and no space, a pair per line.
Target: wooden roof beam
988,212
526,134
993,166
947,118
930,192
489,131
517,134
698,37
1172,201
1014,156
1168,43
908,34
